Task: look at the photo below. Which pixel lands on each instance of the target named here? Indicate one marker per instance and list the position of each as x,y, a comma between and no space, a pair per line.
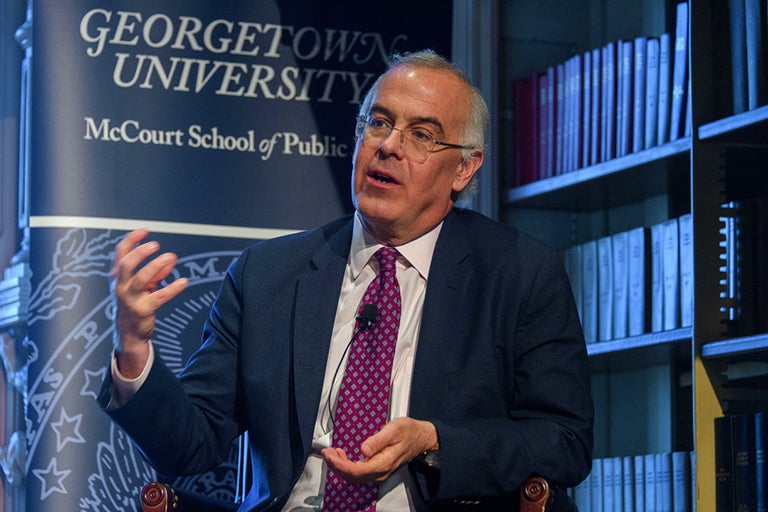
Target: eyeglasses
417,143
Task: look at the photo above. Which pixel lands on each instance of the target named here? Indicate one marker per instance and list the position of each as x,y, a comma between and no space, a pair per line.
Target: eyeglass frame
364,120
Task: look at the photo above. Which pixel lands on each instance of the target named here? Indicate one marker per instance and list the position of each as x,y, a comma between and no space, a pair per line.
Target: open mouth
382,178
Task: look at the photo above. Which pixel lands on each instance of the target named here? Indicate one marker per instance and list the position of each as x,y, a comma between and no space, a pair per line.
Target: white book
657,278
649,482
605,288
681,481
639,483
589,291
685,224
664,482
671,256
620,250
639,272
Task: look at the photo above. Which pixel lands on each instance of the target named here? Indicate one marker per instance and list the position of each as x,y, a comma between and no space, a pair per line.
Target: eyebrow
380,109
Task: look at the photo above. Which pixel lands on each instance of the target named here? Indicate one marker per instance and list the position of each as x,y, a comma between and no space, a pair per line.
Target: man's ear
467,169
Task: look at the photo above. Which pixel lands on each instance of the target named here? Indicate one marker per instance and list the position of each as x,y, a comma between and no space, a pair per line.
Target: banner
213,123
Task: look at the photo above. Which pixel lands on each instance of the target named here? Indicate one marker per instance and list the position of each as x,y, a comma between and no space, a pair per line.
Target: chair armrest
534,495
160,497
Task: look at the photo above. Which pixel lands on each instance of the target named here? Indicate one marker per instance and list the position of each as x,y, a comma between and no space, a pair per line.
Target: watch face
432,459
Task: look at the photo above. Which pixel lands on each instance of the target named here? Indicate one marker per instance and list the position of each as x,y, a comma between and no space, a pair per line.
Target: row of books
747,22
607,102
740,472
638,483
635,281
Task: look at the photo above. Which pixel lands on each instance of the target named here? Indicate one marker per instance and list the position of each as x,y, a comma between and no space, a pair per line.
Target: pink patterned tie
363,403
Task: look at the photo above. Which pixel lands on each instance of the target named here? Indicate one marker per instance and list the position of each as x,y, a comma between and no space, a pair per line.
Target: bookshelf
715,171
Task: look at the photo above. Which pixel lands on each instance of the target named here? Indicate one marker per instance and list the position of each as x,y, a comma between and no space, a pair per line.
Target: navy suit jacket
500,369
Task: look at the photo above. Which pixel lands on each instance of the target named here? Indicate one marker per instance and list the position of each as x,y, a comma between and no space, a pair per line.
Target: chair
535,496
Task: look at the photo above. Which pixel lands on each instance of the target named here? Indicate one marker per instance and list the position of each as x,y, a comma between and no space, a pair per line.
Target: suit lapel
441,300
317,294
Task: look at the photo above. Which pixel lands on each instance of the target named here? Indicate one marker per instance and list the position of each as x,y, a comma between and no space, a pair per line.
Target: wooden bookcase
658,391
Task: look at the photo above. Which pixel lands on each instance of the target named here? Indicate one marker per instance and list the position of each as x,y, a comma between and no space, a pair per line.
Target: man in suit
489,382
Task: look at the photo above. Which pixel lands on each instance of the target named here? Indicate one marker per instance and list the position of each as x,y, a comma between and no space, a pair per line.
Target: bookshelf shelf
620,181
744,128
644,350
747,347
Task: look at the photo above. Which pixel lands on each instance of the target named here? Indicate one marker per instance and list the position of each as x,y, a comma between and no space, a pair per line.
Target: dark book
651,92
639,273
586,111
640,95
596,105
624,107
761,476
551,121
543,138
589,291
724,492
560,126
744,476
738,46
754,15
679,74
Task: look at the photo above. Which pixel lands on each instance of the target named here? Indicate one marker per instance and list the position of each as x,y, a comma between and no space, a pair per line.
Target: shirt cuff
126,387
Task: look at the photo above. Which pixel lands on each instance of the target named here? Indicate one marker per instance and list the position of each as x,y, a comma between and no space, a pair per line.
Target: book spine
625,98
657,278
681,481
671,271
543,105
589,291
586,115
605,288
680,73
620,249
609,102
761,476
640,93
738,40
651,92
639,271
560,125
596,112
665,85
685,223
639,493
724,492
755,42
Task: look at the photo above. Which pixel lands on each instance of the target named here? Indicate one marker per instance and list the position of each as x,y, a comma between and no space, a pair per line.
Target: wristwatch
431,457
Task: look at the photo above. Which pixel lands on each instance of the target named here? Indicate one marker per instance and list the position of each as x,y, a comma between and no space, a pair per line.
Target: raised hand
137,297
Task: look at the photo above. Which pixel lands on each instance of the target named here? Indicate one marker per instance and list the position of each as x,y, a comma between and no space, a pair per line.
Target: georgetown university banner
212,123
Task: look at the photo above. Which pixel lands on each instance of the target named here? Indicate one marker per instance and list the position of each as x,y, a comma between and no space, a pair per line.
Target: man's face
398,198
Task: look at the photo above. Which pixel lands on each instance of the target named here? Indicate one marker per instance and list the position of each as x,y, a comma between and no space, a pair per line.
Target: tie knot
386,256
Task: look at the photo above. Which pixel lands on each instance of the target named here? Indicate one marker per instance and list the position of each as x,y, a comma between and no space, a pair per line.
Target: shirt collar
417,253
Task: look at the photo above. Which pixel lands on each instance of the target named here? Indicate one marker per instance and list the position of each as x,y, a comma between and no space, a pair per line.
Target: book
620,250
582,494
586,111
754,17
663,463
596,104
744,476
596,481
761,476
605,288
639,93
724,491
639,482
685,224
665,88
628,483
681,481
639,282
577,113
589,291
560,125
657,278
679,73
543,138
608,114
609,484
738,45
651,92
671,271
625,99
649,482
551,121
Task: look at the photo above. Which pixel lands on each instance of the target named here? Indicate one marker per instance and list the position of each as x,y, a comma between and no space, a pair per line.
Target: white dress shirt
395,494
